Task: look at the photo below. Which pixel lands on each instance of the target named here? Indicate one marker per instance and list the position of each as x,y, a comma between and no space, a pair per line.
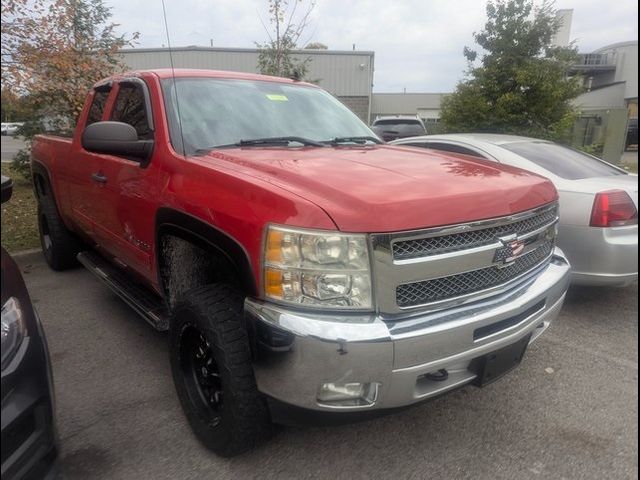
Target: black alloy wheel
201,374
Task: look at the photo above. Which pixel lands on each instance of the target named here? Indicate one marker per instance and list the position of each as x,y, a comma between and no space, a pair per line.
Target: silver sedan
598,228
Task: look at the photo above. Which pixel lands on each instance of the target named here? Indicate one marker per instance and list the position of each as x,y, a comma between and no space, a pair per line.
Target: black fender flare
39,169
205,236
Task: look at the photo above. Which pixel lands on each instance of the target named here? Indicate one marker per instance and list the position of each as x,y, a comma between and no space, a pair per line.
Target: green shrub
21,163
594,149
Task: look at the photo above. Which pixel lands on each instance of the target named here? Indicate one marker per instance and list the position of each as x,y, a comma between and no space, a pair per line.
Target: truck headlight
13,330
317,269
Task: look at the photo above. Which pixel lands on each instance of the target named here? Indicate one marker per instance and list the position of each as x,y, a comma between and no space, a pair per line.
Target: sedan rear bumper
601,256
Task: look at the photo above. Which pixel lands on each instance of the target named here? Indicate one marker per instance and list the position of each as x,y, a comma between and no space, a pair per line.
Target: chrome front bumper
297,352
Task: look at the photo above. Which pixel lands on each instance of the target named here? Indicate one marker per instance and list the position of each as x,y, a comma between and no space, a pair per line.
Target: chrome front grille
434,268
437,289
422,247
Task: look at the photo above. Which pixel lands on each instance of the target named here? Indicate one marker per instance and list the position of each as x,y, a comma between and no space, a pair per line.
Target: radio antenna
173,76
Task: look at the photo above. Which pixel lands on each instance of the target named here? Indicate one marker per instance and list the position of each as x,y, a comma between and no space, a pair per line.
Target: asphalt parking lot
569,411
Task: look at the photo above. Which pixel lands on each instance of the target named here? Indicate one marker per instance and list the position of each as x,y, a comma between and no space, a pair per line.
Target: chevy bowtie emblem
512,248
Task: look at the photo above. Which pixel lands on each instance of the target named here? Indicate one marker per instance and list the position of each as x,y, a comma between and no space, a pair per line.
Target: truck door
125,221
83,168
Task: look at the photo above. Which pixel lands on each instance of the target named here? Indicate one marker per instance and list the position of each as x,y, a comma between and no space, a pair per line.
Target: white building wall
562,36
426,105
429,113
625,56
611,96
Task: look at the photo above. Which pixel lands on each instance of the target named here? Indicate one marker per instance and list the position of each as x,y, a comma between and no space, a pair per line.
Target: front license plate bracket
495,365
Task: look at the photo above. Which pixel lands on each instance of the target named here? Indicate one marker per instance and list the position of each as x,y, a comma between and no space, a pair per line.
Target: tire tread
222,306
65,245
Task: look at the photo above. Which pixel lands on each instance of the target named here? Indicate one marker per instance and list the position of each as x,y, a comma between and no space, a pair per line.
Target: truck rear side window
131,108
97,106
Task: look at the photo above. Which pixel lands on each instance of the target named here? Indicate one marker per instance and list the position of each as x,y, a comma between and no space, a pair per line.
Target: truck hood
385,188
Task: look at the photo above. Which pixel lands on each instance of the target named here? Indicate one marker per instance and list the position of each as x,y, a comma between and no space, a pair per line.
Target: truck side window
97,106
130,108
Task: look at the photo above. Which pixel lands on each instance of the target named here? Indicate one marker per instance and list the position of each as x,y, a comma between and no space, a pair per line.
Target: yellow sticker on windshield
277,97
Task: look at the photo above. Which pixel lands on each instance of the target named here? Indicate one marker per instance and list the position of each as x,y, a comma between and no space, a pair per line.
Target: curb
23,253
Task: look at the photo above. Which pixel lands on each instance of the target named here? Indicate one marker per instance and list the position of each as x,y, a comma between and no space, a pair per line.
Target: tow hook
439,376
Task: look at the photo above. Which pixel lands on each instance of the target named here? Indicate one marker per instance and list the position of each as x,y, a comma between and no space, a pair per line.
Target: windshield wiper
258,142
280,141
359,140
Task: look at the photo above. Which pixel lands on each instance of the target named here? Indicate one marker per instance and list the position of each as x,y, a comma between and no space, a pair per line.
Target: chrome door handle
99,177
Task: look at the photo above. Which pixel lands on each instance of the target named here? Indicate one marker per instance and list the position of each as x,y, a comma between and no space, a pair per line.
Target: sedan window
447,147
562,161
397,121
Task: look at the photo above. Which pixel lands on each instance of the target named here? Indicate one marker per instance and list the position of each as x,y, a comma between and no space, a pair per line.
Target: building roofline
612,84
192,48
628,43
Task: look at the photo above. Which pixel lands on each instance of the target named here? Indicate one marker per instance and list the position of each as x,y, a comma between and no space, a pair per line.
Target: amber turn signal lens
273,283
274,245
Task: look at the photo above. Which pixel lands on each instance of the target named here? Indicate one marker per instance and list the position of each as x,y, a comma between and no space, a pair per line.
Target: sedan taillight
613,209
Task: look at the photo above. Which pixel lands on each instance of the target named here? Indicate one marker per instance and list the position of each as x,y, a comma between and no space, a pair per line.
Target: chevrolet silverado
301,267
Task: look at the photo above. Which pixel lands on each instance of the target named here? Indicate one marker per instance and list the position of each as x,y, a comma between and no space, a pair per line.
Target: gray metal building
346,74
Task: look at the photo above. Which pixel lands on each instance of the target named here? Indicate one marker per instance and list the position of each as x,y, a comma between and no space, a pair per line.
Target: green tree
316,46
15,108
288,23
520,85
53,51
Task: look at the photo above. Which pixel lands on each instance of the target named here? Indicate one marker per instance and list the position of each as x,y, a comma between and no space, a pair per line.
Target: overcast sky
417,43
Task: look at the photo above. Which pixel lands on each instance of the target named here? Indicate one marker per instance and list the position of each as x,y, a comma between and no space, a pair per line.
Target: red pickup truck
301,267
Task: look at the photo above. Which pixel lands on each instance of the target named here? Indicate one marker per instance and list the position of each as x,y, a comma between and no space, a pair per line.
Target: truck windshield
219,112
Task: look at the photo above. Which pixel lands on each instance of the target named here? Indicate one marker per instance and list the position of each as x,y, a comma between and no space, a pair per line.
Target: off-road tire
242,422
59,245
